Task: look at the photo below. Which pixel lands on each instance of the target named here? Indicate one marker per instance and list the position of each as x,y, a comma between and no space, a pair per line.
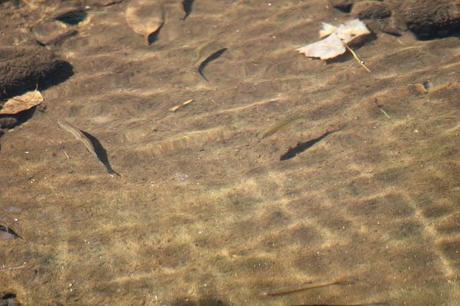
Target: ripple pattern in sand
204,208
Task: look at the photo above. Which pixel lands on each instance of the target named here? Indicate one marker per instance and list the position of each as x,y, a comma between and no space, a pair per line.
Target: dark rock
429,19
392,29
23,65
371,10
342,5
70,15
23,68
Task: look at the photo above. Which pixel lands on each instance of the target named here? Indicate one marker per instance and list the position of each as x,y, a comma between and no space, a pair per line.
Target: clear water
205,212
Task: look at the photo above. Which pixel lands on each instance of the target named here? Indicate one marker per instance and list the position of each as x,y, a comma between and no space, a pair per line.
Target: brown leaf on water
145,17
337,38
21,103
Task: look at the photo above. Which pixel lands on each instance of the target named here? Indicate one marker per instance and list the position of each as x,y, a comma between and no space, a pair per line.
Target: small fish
91,143
303,146
278,126
187,5
296,290
209,59
7,233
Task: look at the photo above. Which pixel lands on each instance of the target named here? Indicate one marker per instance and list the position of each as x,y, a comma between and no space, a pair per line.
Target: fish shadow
8,232
153,37
209,59
101,152
187,6
303,146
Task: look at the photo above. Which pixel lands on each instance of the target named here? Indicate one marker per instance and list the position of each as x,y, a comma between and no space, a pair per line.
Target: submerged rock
430,19
52,32
23,68
371,10
427,19
342,5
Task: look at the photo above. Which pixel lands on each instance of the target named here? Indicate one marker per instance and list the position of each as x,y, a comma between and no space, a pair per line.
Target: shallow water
204,212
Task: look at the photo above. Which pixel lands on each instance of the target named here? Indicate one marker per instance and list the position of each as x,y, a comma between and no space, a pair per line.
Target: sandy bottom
205,212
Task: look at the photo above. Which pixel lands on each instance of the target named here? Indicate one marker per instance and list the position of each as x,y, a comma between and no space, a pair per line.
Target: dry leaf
352,31
21,103
327,48
145,17
334,44
326,30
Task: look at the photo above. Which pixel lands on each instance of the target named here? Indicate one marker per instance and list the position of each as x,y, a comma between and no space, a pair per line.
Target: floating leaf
326,30
337,39
21,103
